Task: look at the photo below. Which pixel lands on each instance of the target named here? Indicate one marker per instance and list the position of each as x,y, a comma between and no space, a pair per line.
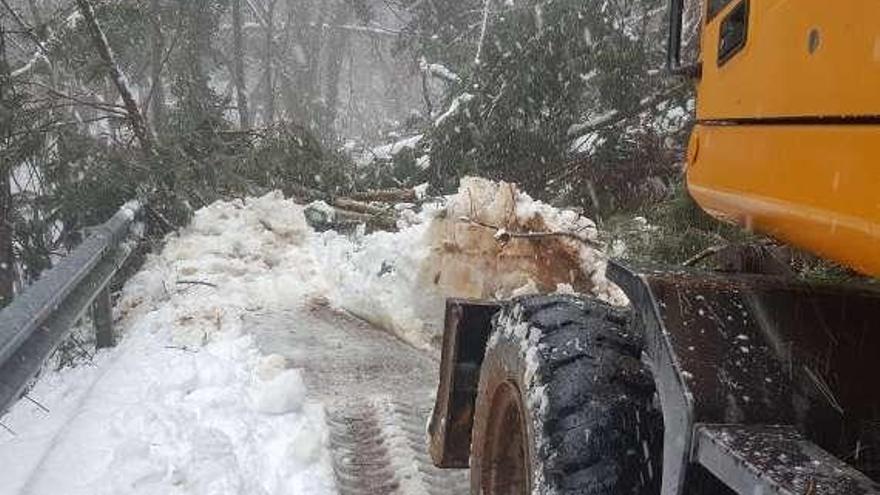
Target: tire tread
590,368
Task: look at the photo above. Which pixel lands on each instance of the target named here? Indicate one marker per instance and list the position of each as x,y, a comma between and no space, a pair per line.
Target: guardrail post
102,315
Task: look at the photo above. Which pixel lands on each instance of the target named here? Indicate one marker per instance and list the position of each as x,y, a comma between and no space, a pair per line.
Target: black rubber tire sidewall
502,365
507,361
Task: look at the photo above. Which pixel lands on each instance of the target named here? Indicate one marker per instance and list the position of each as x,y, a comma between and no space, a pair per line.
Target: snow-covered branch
439,71
483,27
454,108
614,116
370,30
37,59
40,55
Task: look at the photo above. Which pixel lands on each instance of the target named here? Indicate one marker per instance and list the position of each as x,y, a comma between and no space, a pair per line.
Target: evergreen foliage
72,157
549,87
565,97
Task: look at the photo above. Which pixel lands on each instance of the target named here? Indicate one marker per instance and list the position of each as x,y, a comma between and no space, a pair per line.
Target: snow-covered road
186,403
204,396
246,365
378,392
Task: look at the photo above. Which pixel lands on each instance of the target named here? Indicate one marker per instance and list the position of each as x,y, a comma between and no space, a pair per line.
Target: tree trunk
7,256
39,25
157,93
135,117
238,67
313,88
291,81
426,93
338,43
267,68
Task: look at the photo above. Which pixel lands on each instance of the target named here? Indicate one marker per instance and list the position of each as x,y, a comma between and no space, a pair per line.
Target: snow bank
185,404
377,277
401,280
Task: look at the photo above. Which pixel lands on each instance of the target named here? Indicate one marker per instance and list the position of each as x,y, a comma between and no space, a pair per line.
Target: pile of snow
400,281
377,277
185,403
495,241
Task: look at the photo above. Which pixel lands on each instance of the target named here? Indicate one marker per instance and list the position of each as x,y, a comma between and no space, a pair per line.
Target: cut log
360,207
373,222
341,213
386,195
324,217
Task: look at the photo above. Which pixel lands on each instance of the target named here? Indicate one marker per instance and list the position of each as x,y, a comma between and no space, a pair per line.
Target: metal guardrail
40,318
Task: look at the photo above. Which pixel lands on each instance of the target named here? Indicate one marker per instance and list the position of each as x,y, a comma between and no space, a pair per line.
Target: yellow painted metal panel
816,187
777,74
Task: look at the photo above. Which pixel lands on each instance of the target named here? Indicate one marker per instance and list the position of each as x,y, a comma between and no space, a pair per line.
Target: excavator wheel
565,405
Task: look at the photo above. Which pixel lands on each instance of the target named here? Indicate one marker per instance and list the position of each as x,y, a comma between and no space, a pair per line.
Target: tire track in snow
411,420
378,392
361,460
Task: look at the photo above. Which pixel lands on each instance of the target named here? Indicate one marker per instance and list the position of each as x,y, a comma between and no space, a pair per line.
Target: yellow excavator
708,382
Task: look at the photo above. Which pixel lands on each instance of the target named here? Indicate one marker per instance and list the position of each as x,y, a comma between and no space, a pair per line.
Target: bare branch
504,236
196,282
706,253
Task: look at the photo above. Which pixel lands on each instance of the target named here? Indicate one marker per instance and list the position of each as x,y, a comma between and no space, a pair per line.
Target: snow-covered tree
539,88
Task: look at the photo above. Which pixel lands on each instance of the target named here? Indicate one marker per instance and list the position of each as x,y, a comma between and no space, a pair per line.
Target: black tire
589,424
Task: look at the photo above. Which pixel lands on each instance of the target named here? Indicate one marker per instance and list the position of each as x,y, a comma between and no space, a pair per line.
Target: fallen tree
374,208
